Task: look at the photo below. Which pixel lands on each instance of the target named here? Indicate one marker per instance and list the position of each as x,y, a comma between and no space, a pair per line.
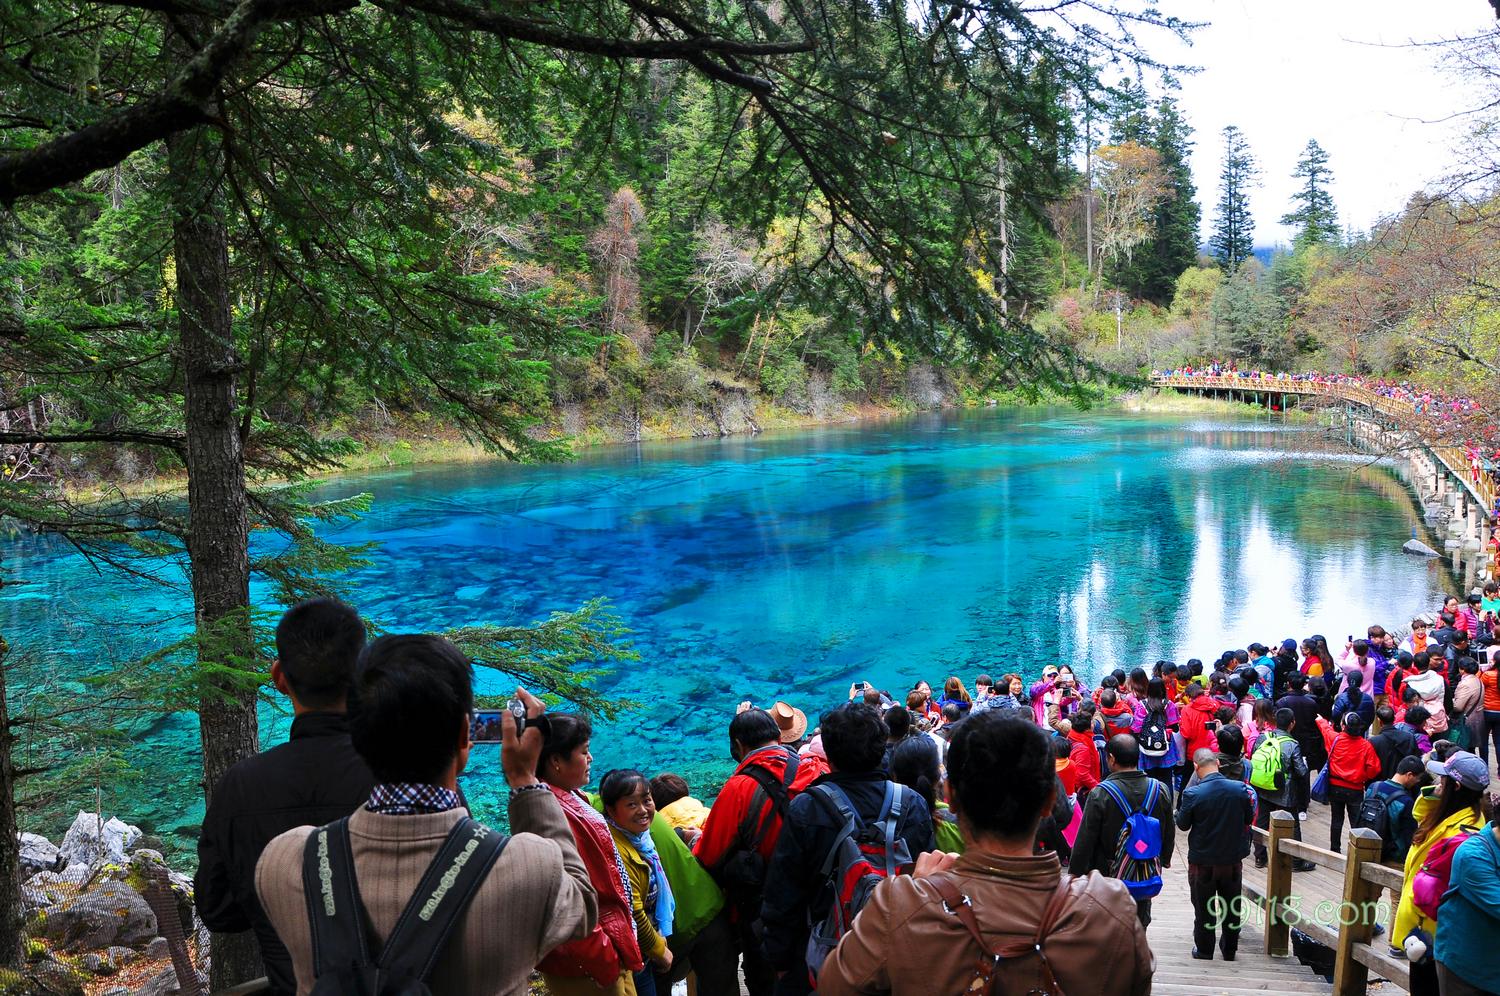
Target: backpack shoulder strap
1113,791
836,802
890,818
1153,791
793,759
775,788
452,879
334,911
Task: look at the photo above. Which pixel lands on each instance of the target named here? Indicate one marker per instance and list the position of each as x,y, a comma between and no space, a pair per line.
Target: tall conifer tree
1233,240
1313,213
1153,271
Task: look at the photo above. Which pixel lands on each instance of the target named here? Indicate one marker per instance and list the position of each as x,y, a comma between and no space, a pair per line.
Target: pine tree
1233,240
1153,271
1130,114
1314,215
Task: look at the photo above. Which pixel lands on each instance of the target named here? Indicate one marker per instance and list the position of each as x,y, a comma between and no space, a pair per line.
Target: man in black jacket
1393,742
797,891
312,779
1217,813
1103,818
1305,711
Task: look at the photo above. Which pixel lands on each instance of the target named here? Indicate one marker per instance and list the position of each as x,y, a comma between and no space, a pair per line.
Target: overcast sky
1285,71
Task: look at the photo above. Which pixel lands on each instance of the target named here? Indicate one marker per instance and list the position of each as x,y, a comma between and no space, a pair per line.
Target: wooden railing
1452,457
1346,924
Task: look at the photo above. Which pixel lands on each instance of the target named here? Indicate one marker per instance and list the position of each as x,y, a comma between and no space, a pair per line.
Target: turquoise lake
788,565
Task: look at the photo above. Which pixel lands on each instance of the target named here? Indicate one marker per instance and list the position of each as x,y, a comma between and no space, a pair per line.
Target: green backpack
1268,764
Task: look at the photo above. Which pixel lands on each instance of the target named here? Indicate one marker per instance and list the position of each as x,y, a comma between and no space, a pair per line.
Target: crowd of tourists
1448,414
1011,839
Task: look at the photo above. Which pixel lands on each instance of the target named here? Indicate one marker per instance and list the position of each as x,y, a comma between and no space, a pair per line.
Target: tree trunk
218,548
10,857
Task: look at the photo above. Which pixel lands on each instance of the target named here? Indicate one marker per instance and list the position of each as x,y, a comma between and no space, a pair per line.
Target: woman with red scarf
605,961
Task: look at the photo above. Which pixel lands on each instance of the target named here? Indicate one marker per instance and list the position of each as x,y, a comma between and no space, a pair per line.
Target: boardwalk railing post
1278,885
1356,921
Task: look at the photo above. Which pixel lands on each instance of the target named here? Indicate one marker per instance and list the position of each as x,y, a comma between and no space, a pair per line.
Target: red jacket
743,815
1085,758
1196,735
611,946
1352,762
1119,719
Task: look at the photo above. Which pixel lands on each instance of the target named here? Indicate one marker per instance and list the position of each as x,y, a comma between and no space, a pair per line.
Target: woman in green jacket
914,763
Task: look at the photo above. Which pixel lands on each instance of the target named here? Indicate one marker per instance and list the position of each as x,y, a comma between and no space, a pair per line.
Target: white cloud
1339,71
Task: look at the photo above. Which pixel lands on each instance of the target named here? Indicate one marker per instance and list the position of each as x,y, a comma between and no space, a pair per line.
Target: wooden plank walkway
1252,971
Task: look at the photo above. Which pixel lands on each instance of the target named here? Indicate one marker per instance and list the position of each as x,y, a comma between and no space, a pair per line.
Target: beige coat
536,896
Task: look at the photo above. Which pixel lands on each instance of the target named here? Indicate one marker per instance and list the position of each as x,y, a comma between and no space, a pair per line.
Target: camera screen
485,726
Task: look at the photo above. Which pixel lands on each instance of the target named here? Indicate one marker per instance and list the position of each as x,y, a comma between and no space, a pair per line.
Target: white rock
92,839
38,855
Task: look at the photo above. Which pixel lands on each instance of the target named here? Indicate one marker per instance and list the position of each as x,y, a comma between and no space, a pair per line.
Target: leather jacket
904,943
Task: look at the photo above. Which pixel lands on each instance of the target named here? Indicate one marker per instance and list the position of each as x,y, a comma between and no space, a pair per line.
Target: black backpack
1155,736
1375,814
343,964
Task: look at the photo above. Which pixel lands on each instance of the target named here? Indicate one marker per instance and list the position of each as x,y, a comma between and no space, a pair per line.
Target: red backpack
862,858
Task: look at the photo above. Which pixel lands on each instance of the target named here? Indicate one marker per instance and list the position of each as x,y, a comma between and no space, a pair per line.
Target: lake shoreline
417,443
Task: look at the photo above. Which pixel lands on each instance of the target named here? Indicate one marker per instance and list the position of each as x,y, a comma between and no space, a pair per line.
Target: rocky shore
102,908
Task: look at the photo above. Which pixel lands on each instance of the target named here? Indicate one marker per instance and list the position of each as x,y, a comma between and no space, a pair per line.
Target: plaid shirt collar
410,799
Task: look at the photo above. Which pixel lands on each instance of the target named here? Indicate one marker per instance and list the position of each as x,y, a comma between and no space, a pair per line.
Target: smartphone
485,726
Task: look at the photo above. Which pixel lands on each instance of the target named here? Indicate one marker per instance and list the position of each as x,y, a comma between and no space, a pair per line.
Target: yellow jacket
653,945
1407,914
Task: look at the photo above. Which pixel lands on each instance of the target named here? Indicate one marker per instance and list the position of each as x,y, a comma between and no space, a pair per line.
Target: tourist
675,804
1001,783
1115,715
1217,813
1392,799
1442,634
1466,619
955,694
1357,667
1011,694
1353,700
791,721
743,826
608,960
919,701
1286,666
1352,766
1416,643
1137,685
1125,791
1468,931
536,895
1231,754
1489,677
796,893
1468,704
1305,711
1083,753
914,763
1198,726
628,807
1038,692
1265,669
1455,804
702,940
1156,717
314,778
1430,688
1063,700
1394,742
1278,774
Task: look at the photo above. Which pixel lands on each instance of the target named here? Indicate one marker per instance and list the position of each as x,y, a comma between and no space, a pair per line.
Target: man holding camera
410,704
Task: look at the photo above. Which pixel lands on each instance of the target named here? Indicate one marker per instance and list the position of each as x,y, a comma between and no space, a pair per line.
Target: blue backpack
1138,848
